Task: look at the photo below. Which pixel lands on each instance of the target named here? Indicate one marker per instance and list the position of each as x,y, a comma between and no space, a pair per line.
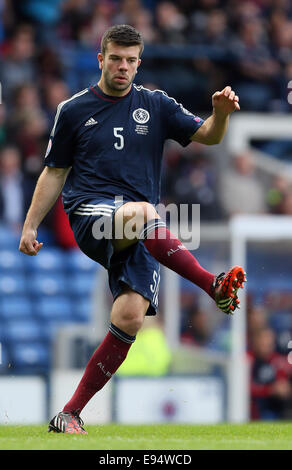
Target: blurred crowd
246,43
48,52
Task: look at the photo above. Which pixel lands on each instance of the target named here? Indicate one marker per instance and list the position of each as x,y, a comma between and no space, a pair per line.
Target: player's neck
110,92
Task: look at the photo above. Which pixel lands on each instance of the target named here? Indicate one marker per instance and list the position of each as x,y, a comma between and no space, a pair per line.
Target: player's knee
129,311
133,320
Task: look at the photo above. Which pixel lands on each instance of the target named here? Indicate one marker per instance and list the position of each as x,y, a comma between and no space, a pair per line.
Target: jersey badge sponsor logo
91,121
141,116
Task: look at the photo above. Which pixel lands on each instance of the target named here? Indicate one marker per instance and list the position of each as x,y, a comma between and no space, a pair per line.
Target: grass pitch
252,436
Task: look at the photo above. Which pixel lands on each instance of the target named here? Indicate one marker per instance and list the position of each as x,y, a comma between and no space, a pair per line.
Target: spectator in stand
143,22
257,319
276,194
31,139
25,100
192,180
198,331
55,92
101,19
75,14
280,31
241,191
18,66
50,66
269,380
26,97
257,71
171,23
127,12
212,31
286,207
199,14
27,126
208,30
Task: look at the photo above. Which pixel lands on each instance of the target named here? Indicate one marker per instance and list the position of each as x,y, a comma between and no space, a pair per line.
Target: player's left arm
215,126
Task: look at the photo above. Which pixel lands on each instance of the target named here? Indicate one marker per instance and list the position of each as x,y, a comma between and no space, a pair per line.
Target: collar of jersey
100,94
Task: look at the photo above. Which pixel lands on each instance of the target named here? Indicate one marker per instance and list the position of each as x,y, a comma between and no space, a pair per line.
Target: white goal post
244,127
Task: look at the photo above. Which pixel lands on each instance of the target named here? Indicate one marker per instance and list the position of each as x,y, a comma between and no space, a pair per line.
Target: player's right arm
184,127
47,191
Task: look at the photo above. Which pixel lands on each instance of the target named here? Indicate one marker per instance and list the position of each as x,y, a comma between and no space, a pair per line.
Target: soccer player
104,154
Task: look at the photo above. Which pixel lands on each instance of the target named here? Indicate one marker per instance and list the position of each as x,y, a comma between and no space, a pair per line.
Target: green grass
270,436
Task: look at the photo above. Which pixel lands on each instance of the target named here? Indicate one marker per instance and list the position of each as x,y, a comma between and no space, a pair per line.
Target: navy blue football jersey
115,145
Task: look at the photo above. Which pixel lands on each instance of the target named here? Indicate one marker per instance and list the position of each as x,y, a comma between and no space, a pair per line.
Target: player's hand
225,101
28,242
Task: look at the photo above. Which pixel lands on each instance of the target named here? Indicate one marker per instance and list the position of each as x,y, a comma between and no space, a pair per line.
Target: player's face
119,67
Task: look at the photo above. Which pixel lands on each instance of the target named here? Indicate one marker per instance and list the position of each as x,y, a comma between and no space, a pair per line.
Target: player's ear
100,60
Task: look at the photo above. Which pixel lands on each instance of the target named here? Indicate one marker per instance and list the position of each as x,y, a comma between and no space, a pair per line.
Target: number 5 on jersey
117,133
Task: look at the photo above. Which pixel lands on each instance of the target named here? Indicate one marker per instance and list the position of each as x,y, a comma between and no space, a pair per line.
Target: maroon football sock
170,252
102,365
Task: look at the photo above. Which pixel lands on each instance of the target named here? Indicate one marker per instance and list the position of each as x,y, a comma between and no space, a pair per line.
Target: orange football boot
225,289
69,423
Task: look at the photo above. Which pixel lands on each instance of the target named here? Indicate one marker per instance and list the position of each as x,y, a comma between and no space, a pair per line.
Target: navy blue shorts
133,267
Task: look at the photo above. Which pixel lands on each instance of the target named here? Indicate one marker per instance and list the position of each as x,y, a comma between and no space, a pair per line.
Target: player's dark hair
123,35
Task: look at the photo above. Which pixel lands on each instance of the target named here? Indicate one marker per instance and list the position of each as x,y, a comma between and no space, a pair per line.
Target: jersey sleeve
59,152
180,123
